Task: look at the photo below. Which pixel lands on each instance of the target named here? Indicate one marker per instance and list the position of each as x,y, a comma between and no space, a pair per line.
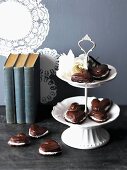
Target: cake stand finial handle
86,38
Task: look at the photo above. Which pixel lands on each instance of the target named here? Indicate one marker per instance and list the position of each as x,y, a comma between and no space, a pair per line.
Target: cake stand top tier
70,64
61,107
96,83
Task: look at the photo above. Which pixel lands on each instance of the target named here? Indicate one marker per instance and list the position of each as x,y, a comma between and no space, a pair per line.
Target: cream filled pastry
100,108
75,114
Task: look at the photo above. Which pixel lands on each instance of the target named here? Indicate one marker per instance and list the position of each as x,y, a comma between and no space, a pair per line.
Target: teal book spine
30,105
19,94
9,95
32,91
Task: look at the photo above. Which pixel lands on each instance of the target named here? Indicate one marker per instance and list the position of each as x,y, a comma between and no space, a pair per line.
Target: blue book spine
9,95
30,101
19,94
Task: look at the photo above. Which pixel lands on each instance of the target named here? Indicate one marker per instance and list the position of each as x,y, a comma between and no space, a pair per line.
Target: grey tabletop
111,156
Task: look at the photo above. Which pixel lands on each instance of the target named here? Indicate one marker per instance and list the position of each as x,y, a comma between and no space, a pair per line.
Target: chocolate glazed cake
50,147
19,140
75,114
100,72
99,112
36,131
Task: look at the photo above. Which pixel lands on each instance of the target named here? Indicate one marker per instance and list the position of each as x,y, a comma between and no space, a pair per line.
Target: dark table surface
111,156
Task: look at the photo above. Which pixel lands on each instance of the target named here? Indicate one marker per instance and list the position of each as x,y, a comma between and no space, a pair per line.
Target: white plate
94,84
59,110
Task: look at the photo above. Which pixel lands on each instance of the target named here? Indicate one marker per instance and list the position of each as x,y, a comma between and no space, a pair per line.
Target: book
19,88
32,87
9,88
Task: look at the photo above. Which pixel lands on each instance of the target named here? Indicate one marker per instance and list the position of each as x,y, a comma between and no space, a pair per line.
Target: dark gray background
106,22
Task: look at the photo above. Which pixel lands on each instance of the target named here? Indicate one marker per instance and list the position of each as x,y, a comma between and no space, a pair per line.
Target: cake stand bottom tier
83,138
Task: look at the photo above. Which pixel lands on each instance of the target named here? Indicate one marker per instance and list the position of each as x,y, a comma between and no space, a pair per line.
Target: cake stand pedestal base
85,138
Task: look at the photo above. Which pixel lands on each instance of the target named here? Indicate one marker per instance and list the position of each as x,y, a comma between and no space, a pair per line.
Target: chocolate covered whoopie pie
98,116
19,140
36,131
50,147
99,112
100,72
85,77
75,114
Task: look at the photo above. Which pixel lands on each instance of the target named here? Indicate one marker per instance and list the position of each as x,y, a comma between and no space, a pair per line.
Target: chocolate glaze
74,107
36,130
85,77
105,104
100,72
100,109
75,113
50,145
100,116
75,116
95,104
19,138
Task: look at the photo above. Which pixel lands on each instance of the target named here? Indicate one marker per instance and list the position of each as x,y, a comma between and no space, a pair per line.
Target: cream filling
92,117
48,153
38,136
103,75
16,144
69,120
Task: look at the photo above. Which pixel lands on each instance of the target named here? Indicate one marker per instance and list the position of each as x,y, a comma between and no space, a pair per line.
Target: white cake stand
89,134
96,83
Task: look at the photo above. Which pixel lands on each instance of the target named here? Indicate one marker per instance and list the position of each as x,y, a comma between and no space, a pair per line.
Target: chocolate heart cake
98,116
99,112
50,147
100,72
75,114
36,131
84,77
19,140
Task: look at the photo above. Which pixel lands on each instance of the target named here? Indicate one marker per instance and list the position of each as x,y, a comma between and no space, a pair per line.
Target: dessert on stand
85,115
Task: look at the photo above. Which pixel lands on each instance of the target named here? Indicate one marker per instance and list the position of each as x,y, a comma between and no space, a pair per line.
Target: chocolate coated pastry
75,113
100,72
50,147
99,112
98,116
95,104
74,107
36,131
75,117
19,140
85,77
105,104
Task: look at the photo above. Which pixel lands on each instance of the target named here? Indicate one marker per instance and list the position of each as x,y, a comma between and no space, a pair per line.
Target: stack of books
22,87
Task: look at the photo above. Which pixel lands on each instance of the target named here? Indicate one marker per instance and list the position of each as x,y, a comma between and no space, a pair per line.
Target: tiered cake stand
89,134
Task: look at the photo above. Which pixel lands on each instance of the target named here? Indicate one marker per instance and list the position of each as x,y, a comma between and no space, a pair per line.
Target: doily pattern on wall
48,89
37,26
49,62
48,66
